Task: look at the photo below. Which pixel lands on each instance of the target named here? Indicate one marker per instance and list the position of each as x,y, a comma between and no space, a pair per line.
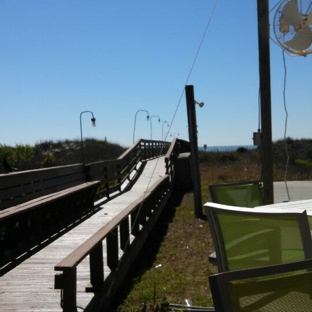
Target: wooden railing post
135,225
124,234
69,303
143,213
167,165
112,249
96,266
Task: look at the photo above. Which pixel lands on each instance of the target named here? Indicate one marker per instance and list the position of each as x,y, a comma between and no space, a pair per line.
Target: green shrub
304,162
49,153
50,161
20,156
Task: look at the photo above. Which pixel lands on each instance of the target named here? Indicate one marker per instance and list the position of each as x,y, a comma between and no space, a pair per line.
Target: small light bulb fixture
147,117
154,116
81,137
162,129
201,104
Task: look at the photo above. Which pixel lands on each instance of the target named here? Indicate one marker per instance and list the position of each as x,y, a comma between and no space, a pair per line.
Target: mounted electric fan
293,26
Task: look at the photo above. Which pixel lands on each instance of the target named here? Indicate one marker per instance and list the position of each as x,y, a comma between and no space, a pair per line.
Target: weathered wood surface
30,286
19,187
42,200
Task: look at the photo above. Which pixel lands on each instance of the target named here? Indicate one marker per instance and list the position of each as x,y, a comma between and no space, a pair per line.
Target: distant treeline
292,149
291,154
298,153
49,153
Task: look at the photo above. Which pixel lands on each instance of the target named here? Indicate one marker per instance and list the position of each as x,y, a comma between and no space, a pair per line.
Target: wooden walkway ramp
30,285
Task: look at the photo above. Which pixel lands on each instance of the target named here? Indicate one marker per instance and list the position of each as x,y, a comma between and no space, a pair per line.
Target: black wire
286,123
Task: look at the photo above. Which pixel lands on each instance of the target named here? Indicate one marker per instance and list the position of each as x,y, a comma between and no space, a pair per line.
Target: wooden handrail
113,173
75,257
143,212
177,146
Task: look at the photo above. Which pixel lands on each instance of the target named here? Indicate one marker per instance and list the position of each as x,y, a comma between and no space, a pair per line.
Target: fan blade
283,26
302,39
291,13
309,18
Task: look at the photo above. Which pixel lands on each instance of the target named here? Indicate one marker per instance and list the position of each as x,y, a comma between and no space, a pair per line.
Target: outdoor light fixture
162,129
93,120
174,134
201,104
147,117
151,123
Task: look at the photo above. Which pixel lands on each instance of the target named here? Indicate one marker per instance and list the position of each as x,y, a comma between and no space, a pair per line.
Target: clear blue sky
59,58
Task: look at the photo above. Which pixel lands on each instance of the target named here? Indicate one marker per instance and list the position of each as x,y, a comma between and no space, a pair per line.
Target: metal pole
140,110
192,126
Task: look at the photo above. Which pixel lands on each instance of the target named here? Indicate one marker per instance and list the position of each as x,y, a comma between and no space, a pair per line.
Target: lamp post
140,110
151,124
93,124
162,130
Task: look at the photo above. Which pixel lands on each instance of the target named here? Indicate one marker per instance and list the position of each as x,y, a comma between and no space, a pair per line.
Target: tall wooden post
192,126
265,94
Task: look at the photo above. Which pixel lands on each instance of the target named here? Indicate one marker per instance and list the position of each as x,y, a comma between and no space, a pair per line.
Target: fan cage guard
304,6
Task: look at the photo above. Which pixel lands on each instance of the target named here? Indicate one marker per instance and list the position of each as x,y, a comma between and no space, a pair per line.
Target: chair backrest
245,238
243,194
284,287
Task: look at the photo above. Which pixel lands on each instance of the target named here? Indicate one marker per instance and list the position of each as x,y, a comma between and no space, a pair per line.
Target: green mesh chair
284,287
242,194
244,238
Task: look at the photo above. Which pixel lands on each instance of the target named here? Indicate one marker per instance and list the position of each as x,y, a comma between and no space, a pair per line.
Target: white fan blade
283,26
302,39
310,18
291,13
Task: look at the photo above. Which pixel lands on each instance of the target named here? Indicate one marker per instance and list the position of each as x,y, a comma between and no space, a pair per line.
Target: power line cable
286,124
174,115
193,64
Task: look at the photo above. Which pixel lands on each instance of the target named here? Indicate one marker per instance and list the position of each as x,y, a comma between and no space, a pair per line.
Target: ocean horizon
225,148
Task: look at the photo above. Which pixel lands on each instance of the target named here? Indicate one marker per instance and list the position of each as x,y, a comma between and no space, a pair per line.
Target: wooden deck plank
30,286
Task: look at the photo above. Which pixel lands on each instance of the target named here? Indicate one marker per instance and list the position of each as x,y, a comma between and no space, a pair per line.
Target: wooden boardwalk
30,285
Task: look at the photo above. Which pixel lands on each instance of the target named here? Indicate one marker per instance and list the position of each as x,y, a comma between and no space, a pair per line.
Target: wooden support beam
265,94
192,126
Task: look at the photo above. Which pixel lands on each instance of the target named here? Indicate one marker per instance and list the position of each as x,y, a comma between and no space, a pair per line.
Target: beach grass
173,266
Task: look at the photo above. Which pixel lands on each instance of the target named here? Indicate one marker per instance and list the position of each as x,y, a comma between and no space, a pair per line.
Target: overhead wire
187,79
285,107
193,64
286,125
175,112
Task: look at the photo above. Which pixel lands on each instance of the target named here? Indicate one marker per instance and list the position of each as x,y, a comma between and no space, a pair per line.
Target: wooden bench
32,200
